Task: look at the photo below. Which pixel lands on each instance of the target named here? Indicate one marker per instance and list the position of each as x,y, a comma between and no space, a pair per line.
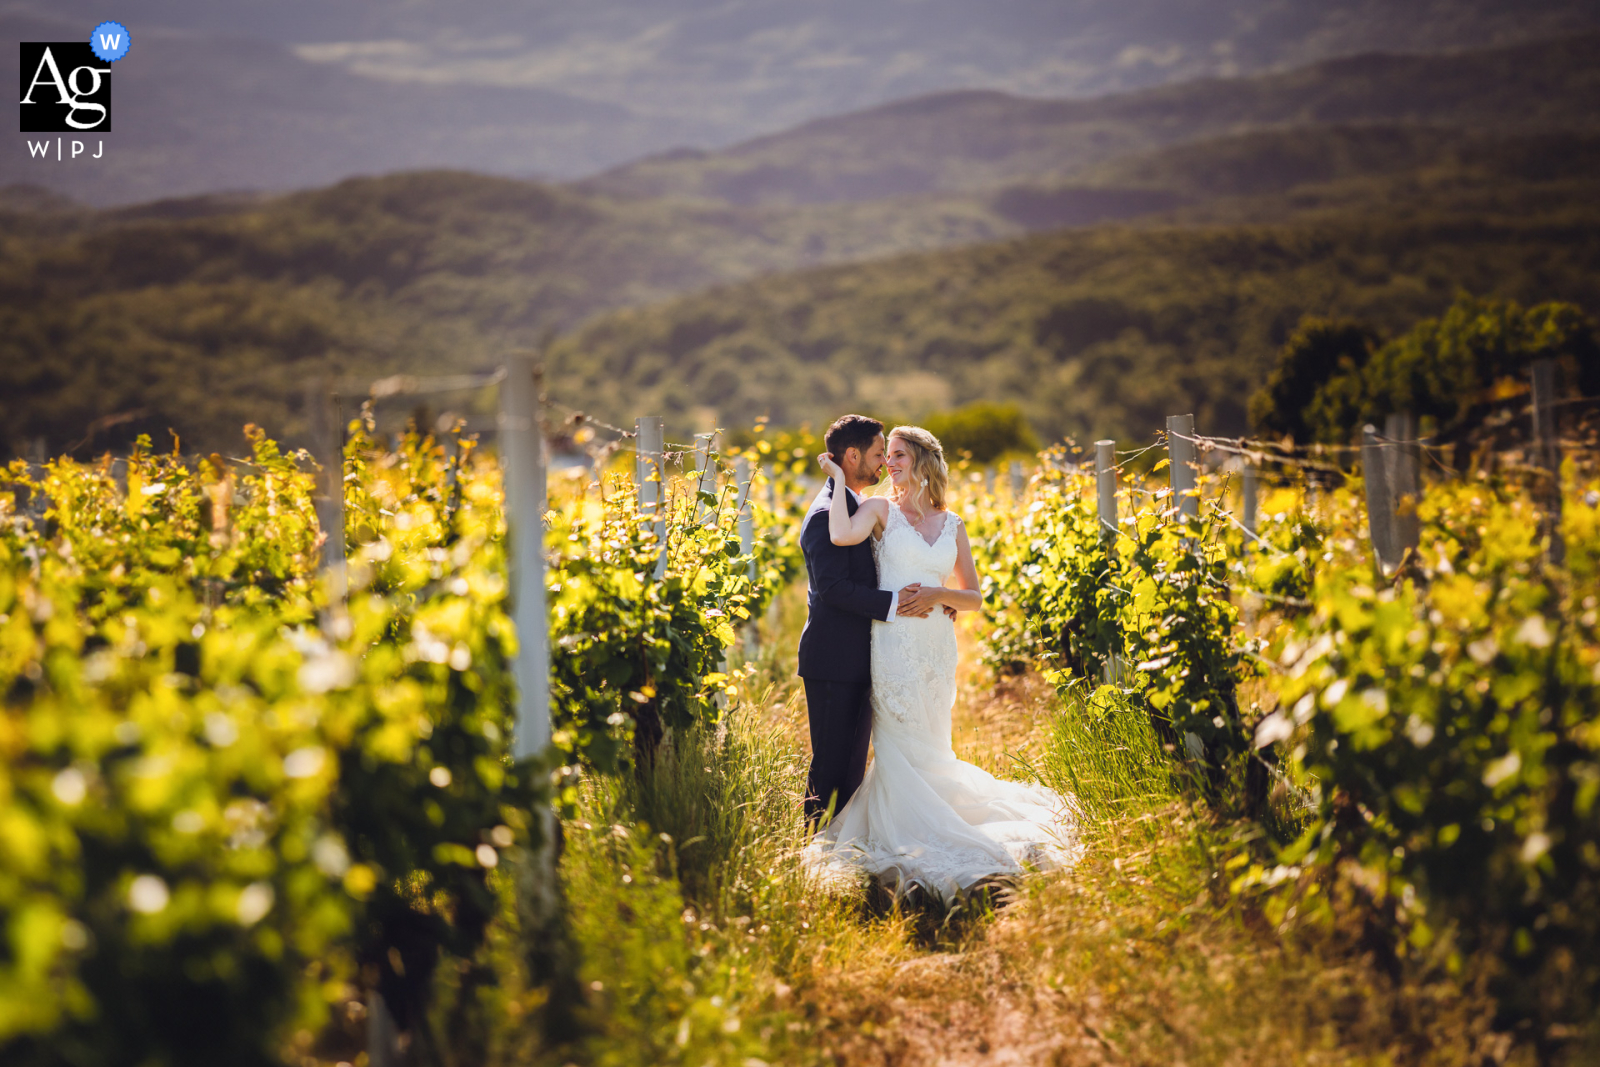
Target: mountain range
298,93
195,113
1298,193
969,140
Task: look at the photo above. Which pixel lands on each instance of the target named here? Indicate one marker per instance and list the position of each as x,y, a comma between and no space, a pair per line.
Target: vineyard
248,816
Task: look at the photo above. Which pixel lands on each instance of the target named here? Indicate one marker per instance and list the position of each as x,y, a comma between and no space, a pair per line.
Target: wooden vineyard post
1248,506
1018,484
540,902
1181,463
1247,497
1105,477
1547,443
1403,459
648,475
327,432
703,456
1380,501
1392,464
743,475
522,455
383,1036
651,477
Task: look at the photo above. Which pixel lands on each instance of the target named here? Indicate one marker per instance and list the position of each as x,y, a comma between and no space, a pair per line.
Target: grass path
1137,956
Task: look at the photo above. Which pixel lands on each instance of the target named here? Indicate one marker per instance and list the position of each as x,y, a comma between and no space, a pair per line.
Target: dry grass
1113,965
1138,956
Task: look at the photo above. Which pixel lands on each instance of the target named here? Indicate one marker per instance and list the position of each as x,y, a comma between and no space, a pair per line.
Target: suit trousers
840,715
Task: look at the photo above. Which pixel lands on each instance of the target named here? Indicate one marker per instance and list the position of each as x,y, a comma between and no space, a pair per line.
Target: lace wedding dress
922,816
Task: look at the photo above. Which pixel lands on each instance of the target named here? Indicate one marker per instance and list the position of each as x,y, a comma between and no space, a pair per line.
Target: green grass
1104,752
701,941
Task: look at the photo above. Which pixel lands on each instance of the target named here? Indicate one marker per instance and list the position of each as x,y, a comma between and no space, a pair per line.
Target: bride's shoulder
875,505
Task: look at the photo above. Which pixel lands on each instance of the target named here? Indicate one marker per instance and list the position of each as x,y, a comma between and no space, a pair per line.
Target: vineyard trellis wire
1432,715
162,526
1165,622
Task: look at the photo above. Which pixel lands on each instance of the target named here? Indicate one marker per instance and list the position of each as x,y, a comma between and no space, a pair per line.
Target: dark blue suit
836,656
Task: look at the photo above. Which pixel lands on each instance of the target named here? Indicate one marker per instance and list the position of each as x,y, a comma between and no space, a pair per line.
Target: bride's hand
829,467
919,600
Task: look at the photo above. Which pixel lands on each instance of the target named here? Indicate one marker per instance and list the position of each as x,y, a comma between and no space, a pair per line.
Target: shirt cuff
894,602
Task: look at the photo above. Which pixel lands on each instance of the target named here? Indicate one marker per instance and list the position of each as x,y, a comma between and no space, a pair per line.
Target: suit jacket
842,601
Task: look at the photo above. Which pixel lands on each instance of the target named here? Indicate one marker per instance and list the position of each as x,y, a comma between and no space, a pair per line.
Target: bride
921,816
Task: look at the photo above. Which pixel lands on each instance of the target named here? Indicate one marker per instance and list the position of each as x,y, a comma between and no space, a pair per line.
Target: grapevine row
227,804
1433,733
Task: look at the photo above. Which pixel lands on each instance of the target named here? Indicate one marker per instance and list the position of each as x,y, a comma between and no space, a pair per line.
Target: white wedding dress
922,816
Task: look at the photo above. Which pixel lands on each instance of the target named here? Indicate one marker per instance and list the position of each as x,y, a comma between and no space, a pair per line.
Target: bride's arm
847,529
966,596
843,527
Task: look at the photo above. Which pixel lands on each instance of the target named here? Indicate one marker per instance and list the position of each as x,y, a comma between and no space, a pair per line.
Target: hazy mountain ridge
1387,170
193,114
750,66
223,97
971,140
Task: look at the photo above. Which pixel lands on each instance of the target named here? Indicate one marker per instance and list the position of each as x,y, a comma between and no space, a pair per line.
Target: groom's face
869,464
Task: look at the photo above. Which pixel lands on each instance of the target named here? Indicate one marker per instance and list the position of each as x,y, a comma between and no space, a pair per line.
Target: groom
836,645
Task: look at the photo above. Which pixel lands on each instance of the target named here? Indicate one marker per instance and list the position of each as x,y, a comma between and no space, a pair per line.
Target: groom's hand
917,601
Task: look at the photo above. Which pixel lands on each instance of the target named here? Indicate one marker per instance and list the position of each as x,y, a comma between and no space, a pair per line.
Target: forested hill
972,140
205,313
202,315
1094,333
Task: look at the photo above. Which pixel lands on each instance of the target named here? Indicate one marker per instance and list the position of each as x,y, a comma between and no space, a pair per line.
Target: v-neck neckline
918,530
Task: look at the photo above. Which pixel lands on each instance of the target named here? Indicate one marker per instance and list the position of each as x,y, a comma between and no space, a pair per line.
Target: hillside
1276,160
1277,174
205,313
1095,333
972,140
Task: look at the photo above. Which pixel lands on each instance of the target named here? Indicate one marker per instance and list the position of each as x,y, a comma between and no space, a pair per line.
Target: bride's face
899,462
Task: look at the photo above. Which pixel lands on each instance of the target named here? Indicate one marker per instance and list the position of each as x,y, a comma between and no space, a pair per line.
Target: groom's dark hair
851,431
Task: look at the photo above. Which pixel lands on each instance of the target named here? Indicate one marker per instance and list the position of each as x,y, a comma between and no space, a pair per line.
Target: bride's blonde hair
927,461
